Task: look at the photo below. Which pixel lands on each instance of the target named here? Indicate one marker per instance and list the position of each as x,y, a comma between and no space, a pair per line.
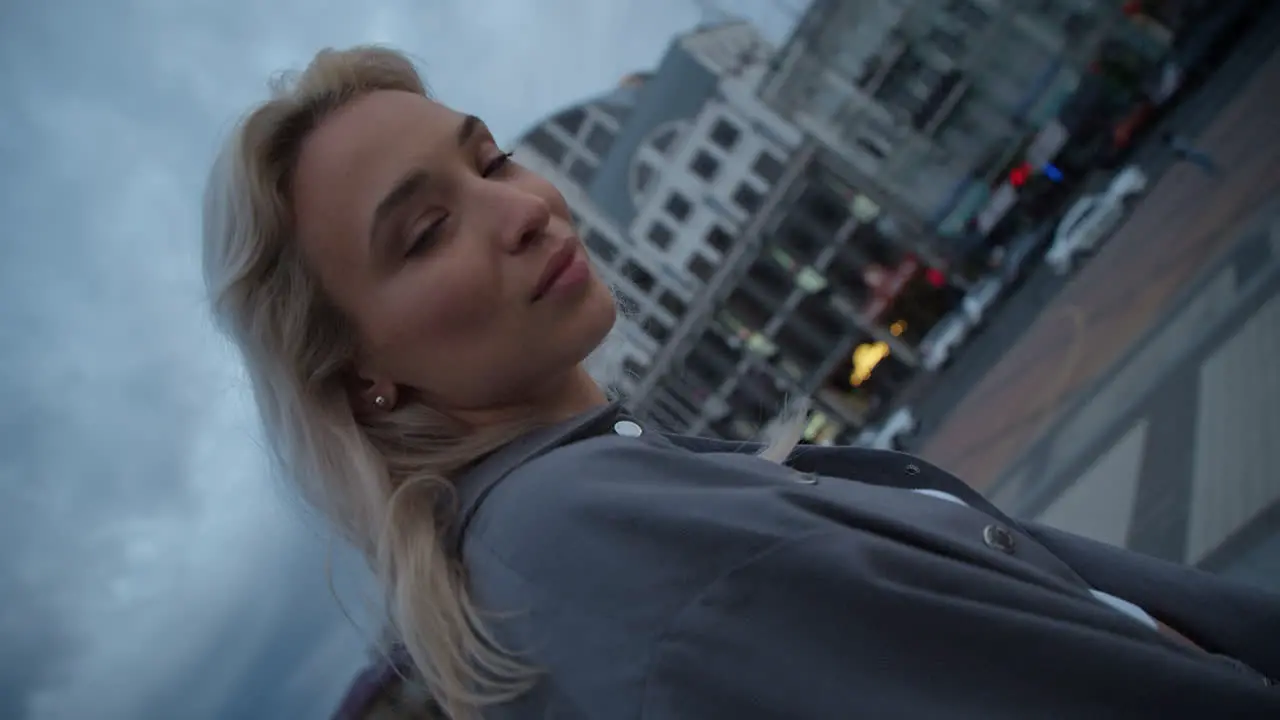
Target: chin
600,312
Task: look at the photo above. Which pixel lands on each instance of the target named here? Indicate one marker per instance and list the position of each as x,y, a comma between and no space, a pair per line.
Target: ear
369,393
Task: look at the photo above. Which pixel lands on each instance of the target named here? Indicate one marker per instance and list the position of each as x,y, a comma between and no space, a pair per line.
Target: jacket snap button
913,469
998,537
626,428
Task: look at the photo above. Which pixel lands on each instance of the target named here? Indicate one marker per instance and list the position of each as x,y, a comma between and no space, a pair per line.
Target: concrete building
931,100
752,260
663,173
821,277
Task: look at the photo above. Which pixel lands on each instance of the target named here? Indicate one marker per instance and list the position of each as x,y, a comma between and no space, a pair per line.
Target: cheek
441,314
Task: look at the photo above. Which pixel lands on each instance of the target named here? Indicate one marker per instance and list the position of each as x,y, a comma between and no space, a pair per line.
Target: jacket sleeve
829,626
1218,614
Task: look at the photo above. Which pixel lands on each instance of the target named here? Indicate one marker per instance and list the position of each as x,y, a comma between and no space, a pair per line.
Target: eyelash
423,241
496,164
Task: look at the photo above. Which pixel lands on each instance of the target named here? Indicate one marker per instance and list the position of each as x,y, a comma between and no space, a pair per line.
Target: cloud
151,566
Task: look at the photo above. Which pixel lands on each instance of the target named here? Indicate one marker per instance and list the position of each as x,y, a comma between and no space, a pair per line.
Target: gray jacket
658,577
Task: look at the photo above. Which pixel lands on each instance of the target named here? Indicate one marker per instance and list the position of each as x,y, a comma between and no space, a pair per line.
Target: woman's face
460,269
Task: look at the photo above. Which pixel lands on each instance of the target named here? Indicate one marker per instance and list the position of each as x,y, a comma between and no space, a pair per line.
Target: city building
823,299
754,262
933,100
663,172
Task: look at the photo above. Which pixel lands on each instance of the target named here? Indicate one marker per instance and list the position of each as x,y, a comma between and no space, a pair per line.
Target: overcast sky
149,566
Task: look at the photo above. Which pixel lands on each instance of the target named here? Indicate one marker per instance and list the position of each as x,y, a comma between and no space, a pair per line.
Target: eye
426,239
496,164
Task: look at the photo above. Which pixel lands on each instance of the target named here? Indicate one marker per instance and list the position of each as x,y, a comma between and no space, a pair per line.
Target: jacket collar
881,467
477,482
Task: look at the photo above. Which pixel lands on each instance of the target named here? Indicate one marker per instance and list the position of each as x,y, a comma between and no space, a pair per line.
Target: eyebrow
414,182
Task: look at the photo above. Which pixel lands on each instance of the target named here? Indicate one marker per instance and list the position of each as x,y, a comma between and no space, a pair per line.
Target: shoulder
613,512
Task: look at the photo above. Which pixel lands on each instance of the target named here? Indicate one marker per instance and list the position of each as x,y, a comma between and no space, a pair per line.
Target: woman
414,310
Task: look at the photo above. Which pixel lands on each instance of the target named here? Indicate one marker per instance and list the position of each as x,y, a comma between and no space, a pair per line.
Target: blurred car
983,296
1012,261
888,435
1127,183
939,345
1093,218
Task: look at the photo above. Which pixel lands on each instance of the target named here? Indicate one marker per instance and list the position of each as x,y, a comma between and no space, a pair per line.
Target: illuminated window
865,209
865,359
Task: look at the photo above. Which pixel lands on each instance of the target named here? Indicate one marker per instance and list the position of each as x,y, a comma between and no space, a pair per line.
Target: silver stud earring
381,401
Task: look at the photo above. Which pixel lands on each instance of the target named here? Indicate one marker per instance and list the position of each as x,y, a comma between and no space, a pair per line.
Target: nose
522,217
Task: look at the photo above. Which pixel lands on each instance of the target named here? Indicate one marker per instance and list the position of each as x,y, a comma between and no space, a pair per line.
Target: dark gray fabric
659,577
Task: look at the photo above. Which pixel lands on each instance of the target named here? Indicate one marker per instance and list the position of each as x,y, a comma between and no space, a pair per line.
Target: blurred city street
936,396
1138,401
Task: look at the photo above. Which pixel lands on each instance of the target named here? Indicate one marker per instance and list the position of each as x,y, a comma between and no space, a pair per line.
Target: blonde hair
384,480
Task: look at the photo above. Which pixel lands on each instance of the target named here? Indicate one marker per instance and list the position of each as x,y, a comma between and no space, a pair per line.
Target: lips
556,264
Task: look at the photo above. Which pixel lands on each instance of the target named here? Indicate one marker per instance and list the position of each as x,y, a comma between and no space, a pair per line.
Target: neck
573,394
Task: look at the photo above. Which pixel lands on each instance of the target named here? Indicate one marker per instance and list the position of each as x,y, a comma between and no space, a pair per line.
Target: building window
747,198
870,148
725,135
663,142
798,348
604,250
657,330
617,112
823,208
719,239
748,309
678,206
817,311
803,243
701,268
757,395
707,371
633,368
581,171
875,246
638,276
714,346
705,166
571,120
672,304
947,42
772,278
546,145
599,139
768,167
660,235
643,177
967,12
